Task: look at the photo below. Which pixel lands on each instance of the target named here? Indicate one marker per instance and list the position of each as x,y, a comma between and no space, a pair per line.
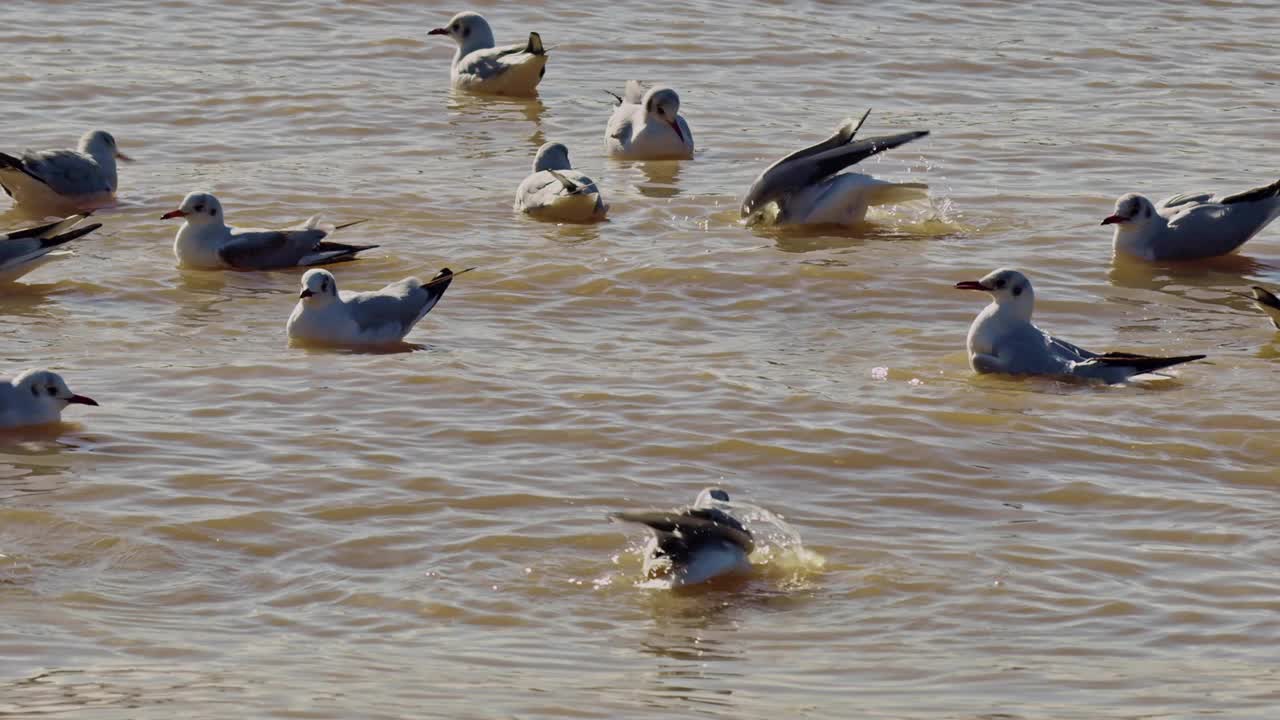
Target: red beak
82,400
122,156
173,214
438,31
1113,219
971,285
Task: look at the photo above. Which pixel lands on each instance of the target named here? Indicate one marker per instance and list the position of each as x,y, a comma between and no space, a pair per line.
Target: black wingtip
1265,296
1262,193
535,45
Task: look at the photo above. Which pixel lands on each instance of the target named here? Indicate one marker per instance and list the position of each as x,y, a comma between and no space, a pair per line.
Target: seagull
646,125
1191,226
1268,303
36,397
1002,339
323,316
555,191
807,187
479,67
206,242
55,182
695,544
22,251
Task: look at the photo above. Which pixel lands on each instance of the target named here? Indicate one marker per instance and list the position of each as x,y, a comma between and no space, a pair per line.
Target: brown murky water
246,530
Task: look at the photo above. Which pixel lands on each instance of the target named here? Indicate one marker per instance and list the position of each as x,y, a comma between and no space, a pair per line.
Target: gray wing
1215,228
269,249
20,246
1184,199
1029,350
620,122
492,62
401,304
815,163
679,531
67,172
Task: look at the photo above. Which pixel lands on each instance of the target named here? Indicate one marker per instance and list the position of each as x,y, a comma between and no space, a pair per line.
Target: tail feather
1262,193
535,45
9,161
331,252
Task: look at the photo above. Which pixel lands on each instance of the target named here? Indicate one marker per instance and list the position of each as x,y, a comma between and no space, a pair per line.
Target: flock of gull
811,186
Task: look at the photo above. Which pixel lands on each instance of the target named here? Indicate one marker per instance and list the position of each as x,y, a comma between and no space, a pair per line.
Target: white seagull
647,125
555,191
1002,339
1268,303
1191,226
479,67
206,242
56,182
323,316
695,544
36,397
807,187
22,251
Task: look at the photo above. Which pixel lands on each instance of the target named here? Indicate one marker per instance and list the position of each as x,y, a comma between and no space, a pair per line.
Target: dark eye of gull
52,391
1017,290
200,208
1000,284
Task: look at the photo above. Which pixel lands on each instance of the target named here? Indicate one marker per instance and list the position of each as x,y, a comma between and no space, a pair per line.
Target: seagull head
318,286
469,30
100,145
1008,288
48,389
552,156
1132,208
663,104
710,496
198,208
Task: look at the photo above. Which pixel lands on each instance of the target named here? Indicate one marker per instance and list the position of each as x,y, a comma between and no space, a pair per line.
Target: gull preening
1268,303
325,316
647,125
36,397
22,251
695,544
1002,339
807,187
206,242
555,191
58,182
479,67
1191,226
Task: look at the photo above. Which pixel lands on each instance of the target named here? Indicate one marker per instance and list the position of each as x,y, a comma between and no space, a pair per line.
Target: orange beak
971,285
1113,219
173,214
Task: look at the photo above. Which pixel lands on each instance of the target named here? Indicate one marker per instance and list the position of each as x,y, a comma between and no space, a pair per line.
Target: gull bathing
807,187
57,182
1191,226
695,544
36,397
647,125
206,242
22,251
1002,339
555,191
324,316
479,67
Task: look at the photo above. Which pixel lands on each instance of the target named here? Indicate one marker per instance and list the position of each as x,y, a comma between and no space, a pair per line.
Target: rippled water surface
248,530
